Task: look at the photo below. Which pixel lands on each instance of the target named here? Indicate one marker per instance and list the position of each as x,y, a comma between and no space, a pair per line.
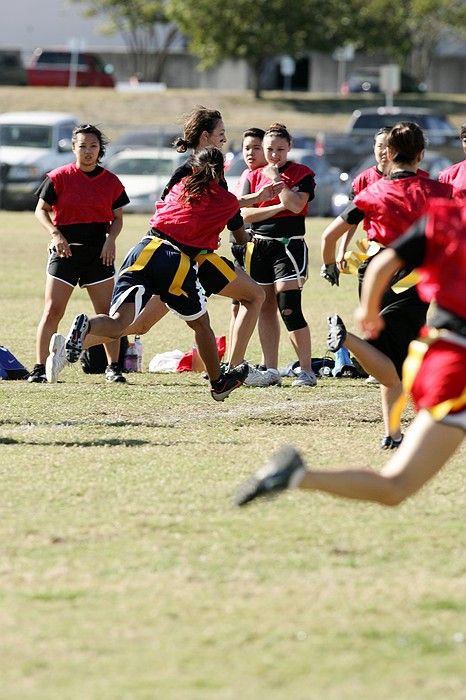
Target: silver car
144,173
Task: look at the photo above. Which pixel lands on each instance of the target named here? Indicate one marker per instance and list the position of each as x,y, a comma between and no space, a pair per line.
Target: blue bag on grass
10,366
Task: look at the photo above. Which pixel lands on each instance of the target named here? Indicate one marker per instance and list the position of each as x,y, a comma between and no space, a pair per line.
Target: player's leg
57,295
101,296
251,296
427,447
269,327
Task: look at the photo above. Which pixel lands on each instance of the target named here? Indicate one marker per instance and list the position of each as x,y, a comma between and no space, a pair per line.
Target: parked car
11,68
144,174
433,163
64,68
157,137
31,144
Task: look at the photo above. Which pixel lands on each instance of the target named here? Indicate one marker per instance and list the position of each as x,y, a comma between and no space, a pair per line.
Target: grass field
126,573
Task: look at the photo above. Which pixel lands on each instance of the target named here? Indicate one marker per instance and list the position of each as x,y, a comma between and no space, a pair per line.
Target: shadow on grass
114,442
347,104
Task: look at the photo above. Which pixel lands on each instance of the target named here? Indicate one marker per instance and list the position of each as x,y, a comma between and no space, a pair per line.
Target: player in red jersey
277,258
390,206
434,373
456,174
184,228
204,128
81,207
362,180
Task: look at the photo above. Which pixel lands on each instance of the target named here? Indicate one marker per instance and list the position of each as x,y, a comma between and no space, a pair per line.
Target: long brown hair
199,120
207,166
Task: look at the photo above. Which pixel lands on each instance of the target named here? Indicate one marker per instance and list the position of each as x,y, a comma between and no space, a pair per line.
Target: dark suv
11,68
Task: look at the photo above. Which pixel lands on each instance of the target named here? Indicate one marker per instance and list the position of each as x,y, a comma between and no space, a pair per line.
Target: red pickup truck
68,69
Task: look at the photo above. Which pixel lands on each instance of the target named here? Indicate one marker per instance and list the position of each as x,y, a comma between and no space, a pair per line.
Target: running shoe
37,375
388,443
113,373
336,333
75,338
306,377
222,387
284,470
259,377
56,361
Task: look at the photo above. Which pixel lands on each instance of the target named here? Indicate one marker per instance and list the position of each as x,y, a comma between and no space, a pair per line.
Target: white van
31,144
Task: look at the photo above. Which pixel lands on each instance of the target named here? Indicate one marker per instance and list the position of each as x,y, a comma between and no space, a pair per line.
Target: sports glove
330,273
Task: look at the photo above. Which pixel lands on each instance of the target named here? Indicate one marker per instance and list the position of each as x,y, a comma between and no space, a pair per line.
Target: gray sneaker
259,377
305,378
56,361
284,470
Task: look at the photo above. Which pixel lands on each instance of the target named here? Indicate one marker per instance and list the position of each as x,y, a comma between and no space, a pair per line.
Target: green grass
126,573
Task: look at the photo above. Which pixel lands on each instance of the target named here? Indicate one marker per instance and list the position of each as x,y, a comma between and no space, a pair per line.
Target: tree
145,27
255,31
408,31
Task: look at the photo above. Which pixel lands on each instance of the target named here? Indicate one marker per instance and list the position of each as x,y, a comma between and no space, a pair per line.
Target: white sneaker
305,378
56,361
259,377
372,380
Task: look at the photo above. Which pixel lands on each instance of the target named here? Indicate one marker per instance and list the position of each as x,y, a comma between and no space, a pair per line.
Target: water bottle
131,359
138,351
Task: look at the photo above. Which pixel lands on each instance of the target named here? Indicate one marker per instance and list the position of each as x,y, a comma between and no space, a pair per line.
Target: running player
184,228
435,372
390,206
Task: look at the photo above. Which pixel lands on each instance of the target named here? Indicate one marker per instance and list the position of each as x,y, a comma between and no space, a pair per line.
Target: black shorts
404,319
154,266
267,260
215,272
84,267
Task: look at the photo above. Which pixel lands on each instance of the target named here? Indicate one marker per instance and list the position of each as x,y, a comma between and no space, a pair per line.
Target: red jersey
455,175
198,223
391,206
443,272
82,199
240,184
291,176
373,174
368,177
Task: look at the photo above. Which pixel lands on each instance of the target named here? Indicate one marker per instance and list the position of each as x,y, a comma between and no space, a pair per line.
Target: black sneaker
336,333
283,470
113,373
228,382
37,374
75,338
388,443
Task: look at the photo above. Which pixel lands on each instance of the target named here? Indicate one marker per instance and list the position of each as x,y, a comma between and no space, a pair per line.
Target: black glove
330,273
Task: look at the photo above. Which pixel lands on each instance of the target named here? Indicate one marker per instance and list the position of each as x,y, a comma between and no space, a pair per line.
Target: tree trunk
256,70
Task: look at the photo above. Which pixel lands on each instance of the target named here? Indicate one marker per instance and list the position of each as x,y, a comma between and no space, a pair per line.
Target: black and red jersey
198,223
297,177
81,199
392,205
436,246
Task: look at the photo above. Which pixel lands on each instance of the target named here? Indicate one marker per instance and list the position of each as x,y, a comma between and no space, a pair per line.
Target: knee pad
289,304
